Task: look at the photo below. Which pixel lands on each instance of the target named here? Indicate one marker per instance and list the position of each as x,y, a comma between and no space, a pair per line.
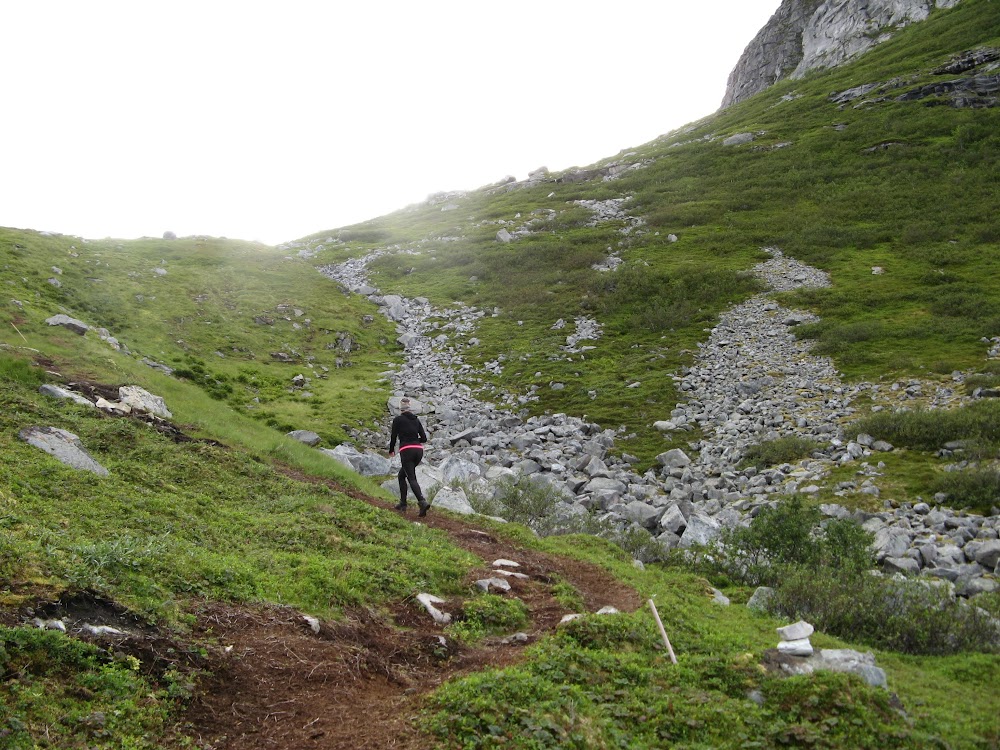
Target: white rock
428,601
795,631
801,647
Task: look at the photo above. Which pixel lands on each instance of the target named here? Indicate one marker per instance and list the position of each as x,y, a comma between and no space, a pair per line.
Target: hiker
411,435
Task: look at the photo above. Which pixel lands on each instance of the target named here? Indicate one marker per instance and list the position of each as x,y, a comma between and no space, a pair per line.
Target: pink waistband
408,447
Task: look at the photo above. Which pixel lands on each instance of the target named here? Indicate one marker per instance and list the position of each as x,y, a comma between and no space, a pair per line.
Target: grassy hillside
240,320
209,540
906,186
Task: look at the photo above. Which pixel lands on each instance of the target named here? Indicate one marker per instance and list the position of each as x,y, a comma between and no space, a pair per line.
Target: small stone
485,584
800,647
795,631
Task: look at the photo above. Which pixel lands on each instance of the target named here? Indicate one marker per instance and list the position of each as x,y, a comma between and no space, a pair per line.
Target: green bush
978,490
489,614
912,616
787,537
780,451
929,430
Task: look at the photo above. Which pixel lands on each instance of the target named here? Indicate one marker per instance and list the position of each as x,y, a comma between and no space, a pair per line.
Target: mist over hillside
744,377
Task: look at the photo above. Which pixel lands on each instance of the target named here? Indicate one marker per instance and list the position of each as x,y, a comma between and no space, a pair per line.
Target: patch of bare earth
359,683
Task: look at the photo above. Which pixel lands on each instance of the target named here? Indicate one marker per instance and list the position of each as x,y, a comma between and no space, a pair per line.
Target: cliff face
807,34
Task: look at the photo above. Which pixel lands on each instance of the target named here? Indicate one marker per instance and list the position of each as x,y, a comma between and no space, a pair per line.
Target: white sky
271,121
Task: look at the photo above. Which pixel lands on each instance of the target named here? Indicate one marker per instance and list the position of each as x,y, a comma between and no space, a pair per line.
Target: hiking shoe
423,509
400,506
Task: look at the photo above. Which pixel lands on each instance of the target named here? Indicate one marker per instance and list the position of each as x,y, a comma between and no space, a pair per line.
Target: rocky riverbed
752,380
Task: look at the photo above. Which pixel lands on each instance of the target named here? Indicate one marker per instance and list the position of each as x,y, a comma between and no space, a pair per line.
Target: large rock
642,513
142,400
55,391
760,601
673,520
988,554
305,436
831,659
891,542
673,459
72,324
701,529
457,469
417,407
796,631
453,500
848,660
63,446
366,463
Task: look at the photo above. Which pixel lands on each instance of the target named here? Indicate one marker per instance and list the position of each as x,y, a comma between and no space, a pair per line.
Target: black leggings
408,473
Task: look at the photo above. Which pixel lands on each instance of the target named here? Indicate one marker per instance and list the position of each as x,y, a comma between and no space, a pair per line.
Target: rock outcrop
807,34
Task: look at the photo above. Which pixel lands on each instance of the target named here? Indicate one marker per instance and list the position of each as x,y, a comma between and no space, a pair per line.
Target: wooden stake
663,632
18,332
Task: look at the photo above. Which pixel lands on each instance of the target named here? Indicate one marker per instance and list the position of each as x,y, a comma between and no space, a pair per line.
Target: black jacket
408,429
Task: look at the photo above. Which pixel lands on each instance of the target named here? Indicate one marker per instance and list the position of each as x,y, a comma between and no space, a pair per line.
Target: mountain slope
213,530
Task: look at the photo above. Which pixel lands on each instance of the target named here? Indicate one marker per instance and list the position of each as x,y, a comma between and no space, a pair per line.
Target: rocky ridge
806,34
752,381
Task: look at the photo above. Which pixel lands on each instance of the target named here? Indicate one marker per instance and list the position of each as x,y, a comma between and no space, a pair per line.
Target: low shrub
784,450
490,614
977,490
929,430
912,616
787,537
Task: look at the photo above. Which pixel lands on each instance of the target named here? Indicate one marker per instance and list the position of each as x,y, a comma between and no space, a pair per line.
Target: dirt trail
359,683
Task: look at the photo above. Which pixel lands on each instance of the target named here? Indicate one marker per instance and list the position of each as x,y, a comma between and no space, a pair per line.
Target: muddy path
360,682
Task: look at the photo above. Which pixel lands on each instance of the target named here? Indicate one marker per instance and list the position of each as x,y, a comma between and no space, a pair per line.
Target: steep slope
804,35
582,308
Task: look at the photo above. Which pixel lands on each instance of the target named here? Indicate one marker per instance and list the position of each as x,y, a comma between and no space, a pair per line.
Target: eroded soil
262,677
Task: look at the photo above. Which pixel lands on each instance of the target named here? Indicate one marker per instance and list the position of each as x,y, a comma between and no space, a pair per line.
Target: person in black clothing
407,428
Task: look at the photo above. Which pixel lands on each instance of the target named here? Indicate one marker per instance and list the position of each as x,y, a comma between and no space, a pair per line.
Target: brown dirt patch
359,683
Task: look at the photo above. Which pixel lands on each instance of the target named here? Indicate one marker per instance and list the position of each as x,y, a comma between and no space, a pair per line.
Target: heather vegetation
228,509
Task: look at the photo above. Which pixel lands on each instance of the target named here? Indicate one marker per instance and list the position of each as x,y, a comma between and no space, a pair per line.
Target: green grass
606,681
922,211
61,692
176,521
217,316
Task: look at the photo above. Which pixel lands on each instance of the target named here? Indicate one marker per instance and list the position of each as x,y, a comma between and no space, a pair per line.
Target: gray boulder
55,391
417,407
848,660
365,463
796,631
673,520
761,598
305,436
63,446
738,139
142,400
701,529
456,469
673,459
76,326
642,513
988,554
453,500
906,565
